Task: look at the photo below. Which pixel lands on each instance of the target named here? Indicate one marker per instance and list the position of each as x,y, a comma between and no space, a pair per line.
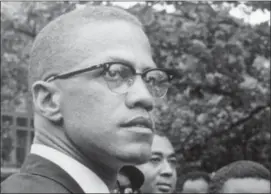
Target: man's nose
166,169
139,95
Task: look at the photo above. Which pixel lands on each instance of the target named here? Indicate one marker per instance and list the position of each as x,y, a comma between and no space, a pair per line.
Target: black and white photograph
135,97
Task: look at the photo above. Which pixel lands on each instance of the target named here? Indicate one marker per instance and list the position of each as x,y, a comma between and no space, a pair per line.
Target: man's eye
113,75
155,160
151,80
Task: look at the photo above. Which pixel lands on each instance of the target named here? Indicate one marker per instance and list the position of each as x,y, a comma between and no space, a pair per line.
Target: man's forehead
104,33
161,142
120,55
109,45
92,40
247,185
55,48
200,182
162,146
198,185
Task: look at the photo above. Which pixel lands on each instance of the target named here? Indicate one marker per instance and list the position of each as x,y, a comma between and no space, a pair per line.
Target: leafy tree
224,80
6,142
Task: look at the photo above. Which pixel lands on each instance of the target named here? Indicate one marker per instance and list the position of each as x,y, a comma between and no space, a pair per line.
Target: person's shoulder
31,183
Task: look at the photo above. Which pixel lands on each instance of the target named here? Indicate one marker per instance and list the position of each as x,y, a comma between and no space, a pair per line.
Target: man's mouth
139,122
164,187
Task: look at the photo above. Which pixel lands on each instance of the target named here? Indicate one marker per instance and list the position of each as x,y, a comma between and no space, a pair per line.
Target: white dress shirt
86,178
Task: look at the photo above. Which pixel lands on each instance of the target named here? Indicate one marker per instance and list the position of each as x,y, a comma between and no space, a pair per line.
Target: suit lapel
35,164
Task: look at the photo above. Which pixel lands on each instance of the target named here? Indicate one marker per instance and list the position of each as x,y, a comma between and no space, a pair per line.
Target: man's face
195,186
160,171
92,113
246,185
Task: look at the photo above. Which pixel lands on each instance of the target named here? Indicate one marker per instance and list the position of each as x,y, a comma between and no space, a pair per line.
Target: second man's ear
46,98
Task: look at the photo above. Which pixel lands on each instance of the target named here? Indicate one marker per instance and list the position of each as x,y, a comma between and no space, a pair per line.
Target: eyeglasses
120,77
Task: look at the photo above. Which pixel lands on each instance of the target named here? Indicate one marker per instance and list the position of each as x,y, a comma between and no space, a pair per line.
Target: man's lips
139,122
164,187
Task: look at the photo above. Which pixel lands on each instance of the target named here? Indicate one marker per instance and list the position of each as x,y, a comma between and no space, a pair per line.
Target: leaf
202,118
248,83
215,100
147,16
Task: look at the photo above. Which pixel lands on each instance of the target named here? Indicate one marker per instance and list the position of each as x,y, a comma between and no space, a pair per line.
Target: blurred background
216,113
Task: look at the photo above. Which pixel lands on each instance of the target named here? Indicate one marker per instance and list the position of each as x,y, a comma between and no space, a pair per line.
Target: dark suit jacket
39,175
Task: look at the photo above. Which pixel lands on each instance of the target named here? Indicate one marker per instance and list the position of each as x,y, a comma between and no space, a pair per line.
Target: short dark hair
238,169
56,37
195,175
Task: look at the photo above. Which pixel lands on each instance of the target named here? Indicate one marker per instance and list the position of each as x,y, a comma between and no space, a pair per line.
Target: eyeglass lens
121,77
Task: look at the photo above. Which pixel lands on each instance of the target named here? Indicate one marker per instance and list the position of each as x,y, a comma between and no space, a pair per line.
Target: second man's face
246,185
160,170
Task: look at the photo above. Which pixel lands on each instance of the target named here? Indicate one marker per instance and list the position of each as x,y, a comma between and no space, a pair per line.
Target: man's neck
103,167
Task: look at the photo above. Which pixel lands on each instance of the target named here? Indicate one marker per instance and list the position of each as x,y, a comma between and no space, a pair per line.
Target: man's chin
136,158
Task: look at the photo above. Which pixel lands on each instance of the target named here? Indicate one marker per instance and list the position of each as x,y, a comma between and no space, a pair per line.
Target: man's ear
46,98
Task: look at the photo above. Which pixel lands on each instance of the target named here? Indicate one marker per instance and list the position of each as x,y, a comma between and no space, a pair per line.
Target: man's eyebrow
173,155
126,61
119,59
157,153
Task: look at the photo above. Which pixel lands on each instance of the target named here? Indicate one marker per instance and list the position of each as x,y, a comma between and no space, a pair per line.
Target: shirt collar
87,179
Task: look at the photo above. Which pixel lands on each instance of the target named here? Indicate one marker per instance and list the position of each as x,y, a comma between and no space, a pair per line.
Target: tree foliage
217,111
6,141
220,105
222,99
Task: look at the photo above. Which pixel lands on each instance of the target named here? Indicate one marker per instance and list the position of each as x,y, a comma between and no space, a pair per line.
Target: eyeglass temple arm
69,74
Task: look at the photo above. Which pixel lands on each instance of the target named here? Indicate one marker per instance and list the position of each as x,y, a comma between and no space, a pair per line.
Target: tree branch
231,126
208,88
240,121
181,148
26,32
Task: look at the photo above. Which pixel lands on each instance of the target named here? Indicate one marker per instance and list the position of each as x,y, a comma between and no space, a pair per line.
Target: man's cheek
154,172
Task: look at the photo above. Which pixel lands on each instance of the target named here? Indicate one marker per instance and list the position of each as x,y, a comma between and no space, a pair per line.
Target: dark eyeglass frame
106,67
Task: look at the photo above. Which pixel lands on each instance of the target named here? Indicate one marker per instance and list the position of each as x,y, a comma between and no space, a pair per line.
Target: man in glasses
93,83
